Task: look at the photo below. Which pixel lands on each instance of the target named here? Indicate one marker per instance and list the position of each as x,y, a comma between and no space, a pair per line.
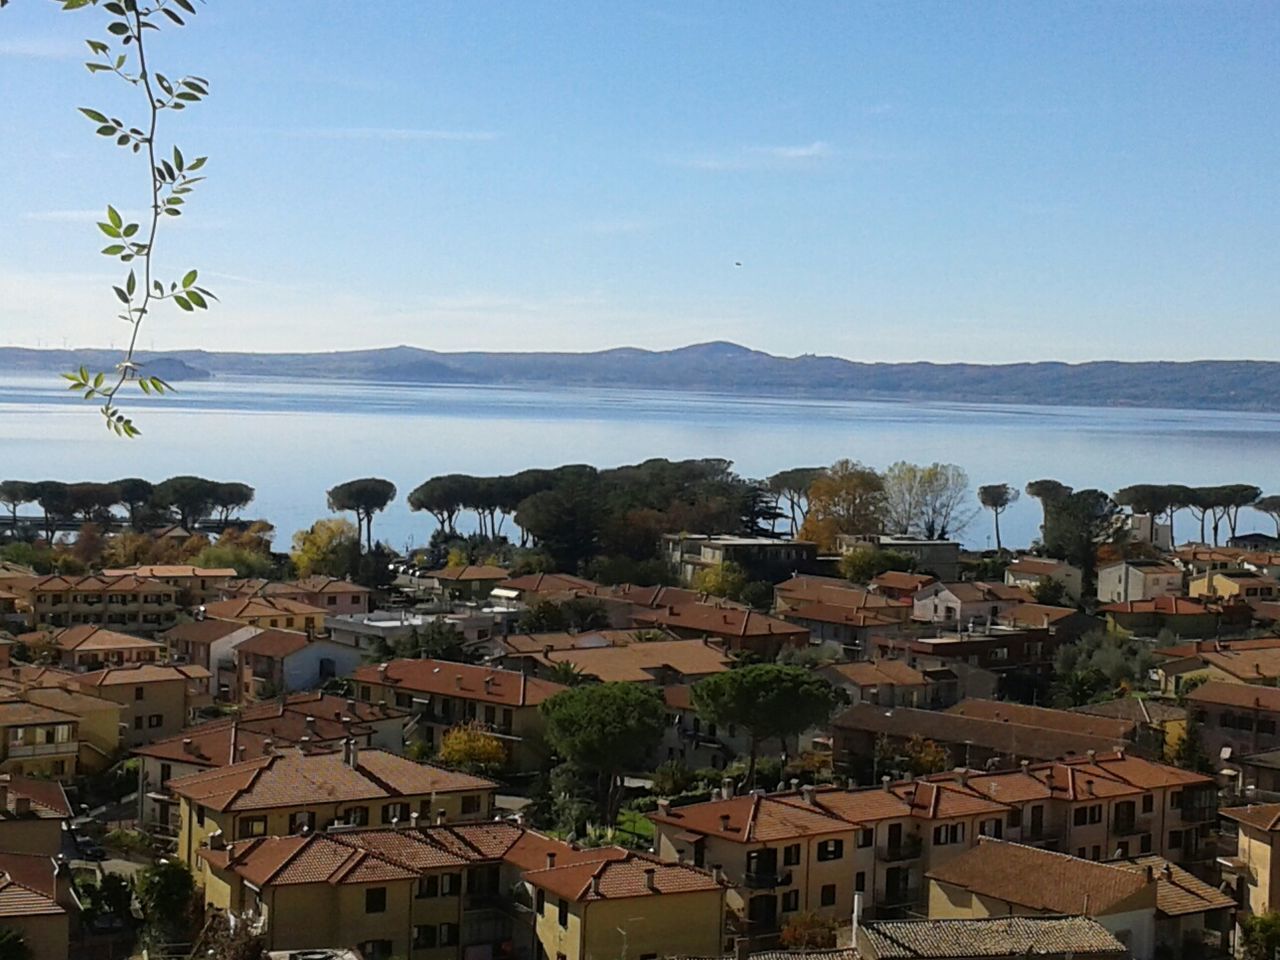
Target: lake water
293,441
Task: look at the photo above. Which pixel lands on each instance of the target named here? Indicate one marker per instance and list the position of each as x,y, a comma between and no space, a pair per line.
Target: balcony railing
767,879
899,896
1199,812
909,849
67,747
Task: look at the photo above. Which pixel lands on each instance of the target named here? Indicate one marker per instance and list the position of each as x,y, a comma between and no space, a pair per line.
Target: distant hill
732,369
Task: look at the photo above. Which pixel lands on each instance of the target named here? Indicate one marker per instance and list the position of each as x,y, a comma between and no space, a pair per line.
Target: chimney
853,783
724,823
717,873
546,650
351,705
857,919
382,673
727,787
1151,874
353,755
21,805
240,750
741,949
551,860
962,776
807,791
664,807
311,724
441,817
884,783
1093,756
795,784
268,747
715,794
649,884
457,680
413,820
186,745
1026,765
216,841
1088,785
382,705
1120,752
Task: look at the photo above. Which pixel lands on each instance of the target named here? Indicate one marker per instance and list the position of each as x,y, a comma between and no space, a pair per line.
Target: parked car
89,848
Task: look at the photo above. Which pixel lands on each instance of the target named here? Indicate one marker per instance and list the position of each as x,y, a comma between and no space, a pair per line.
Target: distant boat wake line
728,370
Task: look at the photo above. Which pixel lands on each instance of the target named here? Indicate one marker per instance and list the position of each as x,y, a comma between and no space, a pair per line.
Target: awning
690,837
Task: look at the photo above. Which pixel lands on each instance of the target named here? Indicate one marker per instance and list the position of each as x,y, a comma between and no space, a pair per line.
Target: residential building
941,558
38,741
380,629
690,554
1138,580
1254,542
477,890
335,595
32,813
814,849
273,662
1234,585
1190,913
1119,730
1144,528
316,720
1066,623
653,663
1046,938
534,586
205,642
279,795
195,585
1235,719
470,583
1000,879
1009,652
1161,724
265,612
36,901
737,629
90,647
1253,869
142,605
898,585
885,683
442,695
98,731
1181,616
966,603
1254,662
692,742
1028,572
157,699
853,628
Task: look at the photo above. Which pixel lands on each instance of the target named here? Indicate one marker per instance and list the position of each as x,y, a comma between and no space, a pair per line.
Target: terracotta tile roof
1248,665
1041,880
547,583
873,673
323,585
833,591
840,615
586,639
1177,892
920,799
287,779
1247,696
245,608
202,631
1261,816
1009,739
1165,606
27,886
160,572
469,573
274,643
217,743
1150,567
648,596
141,673
619,874
897,580
1140,710
980,591
48,799
1197,647
55,583
753,819
644,662
15,712
1067,721
1039,615
460,680
723,621
1037,567
69,701
989,937
89,637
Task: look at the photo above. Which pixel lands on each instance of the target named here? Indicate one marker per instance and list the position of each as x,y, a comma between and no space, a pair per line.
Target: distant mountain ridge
729,368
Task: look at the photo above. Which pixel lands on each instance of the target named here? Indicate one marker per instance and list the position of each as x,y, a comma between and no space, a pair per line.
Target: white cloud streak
392,134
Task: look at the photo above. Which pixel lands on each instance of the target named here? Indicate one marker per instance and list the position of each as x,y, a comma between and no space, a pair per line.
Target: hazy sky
941,181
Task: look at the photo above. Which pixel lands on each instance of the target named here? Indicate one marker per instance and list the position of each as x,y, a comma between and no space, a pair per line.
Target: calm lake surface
293,441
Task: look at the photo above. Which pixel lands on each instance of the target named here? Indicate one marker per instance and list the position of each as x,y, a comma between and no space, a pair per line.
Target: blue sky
900,181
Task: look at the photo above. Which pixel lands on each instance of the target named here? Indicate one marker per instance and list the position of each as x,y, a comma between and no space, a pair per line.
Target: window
866,837
137,723
139,692
448,934
365,693
490,715
375,900
1175,839
1175,799
1095,813
451,885
860,882
403,700
59,767
430,887
155,720
563,917
540,901
791,901
1148,802
199,816
945,834
470,804
1015,817
828,895
830,850
253,827
1144,843
1082,853
395,811
301,820
424,934
1097,852
375,949
358,816
331,601
791,855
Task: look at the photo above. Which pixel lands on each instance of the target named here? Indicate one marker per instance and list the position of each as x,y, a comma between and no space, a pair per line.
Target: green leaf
114,250
84,374
196,164
130,230
146,388
189,278
96,67
118,28
94,115
97,46
183,302
177,158
123,297
108,229
131,284
196,299
114,216
98,380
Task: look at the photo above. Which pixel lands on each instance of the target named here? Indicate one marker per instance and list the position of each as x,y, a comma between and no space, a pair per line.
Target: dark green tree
228,498
1046,491
565,522
1075,526
55,500
607,729
13,945
188,499
767,700
997,497
14,493
165,893
364,498
136,495
1260,936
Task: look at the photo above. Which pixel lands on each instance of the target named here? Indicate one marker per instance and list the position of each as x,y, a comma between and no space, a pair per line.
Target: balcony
909,849
67,748
1200,812
766,879
1130,826
898,897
